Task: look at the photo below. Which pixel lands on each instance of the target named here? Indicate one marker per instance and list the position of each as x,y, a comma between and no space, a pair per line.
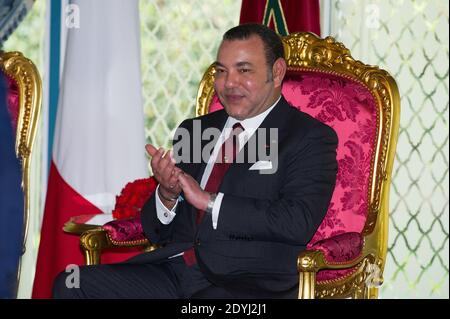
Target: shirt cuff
164,214
216,210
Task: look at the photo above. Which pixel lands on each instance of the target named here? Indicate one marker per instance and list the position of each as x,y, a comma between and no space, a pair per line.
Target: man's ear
279,71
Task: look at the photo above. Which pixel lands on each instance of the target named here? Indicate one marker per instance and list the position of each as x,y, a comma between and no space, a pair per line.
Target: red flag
283,16
99,134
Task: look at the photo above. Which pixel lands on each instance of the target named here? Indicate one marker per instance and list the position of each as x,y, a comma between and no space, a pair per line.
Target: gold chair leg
372,293
360,293
92,243
92,256
306,286
365,292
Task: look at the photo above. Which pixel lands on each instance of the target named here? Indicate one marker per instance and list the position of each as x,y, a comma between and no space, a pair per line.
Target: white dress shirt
250,126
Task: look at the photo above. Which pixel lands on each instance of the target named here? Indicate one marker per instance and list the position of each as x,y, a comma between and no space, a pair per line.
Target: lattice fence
410,40
179,41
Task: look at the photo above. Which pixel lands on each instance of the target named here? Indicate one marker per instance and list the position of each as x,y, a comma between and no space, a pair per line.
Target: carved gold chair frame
305,51
26,76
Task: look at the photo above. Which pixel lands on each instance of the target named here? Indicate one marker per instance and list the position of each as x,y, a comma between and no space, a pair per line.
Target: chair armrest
126,232
338,252
340,248
341,253
115,234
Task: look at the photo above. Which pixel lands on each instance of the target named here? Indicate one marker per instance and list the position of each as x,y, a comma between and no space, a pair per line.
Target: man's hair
273,46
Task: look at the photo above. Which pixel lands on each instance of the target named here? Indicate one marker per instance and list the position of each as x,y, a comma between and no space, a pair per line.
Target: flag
99,134
11,201
283,16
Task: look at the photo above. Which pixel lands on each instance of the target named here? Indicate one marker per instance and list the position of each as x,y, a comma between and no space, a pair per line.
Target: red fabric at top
300,15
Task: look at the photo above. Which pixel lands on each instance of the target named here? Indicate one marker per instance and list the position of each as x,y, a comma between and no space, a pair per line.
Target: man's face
243,81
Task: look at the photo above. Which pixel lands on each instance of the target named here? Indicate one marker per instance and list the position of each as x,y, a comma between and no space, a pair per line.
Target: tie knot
237,128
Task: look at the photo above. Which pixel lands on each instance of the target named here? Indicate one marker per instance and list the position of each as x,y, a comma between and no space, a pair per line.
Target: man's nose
231,80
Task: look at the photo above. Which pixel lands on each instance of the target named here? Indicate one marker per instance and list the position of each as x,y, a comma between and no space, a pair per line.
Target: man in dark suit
241,195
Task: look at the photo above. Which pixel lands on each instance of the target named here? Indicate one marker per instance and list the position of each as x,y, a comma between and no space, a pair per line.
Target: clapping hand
193,193
172,180
164,171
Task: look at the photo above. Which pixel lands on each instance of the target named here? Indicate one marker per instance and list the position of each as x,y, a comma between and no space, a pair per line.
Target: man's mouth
233,98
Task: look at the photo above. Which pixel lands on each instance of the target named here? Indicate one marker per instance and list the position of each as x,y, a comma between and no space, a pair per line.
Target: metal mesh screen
179,41
410,40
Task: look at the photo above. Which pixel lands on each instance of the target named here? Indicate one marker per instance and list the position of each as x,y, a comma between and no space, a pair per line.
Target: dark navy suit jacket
265,220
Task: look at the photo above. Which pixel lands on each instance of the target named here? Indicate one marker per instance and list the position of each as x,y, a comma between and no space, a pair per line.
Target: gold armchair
346,256
24,99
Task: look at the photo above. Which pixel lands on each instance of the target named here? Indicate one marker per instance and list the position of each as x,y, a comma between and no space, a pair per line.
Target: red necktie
225,158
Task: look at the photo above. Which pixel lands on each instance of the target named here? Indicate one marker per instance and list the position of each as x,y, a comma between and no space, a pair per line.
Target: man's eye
220,71
244,70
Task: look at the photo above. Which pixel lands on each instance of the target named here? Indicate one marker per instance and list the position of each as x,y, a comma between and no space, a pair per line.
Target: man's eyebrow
239,64
244,63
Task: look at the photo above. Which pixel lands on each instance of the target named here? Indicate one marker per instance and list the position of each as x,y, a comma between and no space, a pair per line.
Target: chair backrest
13,105
362,104
24,103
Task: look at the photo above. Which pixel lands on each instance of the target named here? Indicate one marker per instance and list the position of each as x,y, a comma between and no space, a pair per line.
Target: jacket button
165,214
197,242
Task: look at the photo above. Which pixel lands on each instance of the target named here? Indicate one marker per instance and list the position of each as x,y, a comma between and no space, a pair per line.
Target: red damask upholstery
349,108
340,248
125,230
13,101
